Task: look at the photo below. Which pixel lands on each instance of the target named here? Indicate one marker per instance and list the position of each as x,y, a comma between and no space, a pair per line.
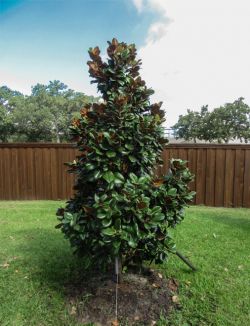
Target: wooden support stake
118,269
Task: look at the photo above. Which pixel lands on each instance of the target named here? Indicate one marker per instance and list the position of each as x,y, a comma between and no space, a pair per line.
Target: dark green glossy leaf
108,176
172,192
132,158
97,174
132,243
158,217
89,166
129,146
101,215
106,222
108,231
111,154
119,176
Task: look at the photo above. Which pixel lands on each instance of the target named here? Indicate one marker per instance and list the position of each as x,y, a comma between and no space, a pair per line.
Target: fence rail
36,171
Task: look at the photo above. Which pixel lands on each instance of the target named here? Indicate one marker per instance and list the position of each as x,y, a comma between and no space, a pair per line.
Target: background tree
238,119
8,99
33,123
120,208
228,122
189,126
48,112
45,115
6,124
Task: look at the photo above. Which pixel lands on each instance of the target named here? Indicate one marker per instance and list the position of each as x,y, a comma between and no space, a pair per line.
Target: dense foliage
228,122
45,115
120,208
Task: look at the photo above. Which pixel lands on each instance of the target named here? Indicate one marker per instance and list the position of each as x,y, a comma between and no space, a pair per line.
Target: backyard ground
36,263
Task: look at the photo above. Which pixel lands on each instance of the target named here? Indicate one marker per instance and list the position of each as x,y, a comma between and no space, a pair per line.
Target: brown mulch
142,299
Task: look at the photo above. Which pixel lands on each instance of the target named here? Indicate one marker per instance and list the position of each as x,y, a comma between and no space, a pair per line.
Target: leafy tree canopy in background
8,100
45,115
228,122
6,124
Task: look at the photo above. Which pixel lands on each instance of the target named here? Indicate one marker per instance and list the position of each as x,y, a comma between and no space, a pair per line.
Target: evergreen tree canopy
120,208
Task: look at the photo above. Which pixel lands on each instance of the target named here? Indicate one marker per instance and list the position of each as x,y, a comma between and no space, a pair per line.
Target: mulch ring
142,299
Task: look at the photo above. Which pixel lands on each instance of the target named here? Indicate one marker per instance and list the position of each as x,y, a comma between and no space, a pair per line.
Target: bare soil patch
142,298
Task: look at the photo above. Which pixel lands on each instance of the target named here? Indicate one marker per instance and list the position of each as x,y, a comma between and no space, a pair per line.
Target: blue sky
194,52
44,40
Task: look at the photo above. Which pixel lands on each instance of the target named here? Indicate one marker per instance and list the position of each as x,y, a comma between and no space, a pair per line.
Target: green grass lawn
36,262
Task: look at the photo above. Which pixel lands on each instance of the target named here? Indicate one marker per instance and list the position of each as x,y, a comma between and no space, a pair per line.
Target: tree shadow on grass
50,264
232,221
49,258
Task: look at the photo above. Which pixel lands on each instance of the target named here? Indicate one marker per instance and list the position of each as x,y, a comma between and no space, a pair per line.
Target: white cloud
201,57
138,4
156,5
156,32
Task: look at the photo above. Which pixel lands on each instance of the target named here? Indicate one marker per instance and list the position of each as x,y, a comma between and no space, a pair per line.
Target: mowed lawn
36,263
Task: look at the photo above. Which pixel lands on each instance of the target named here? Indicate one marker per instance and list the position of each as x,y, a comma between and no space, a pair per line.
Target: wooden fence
36,171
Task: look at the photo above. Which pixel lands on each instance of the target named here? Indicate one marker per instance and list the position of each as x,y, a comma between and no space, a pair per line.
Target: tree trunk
58,138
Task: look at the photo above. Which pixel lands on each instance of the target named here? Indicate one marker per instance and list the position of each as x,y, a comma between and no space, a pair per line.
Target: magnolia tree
120,208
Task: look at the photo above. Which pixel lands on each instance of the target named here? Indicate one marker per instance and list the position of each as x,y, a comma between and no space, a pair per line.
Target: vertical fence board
59,173
192,165
38,165
53,167
239,177
65,175
229,178
73,154
22,172
210,177
246,193
219,177
182,154
175,153
1,174
68,180
31,186
14,174
201,176
7,162
47,172
62,172
165,157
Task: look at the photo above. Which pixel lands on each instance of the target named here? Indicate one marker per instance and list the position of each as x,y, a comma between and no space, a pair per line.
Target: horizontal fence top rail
218,146
37,145
169,145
